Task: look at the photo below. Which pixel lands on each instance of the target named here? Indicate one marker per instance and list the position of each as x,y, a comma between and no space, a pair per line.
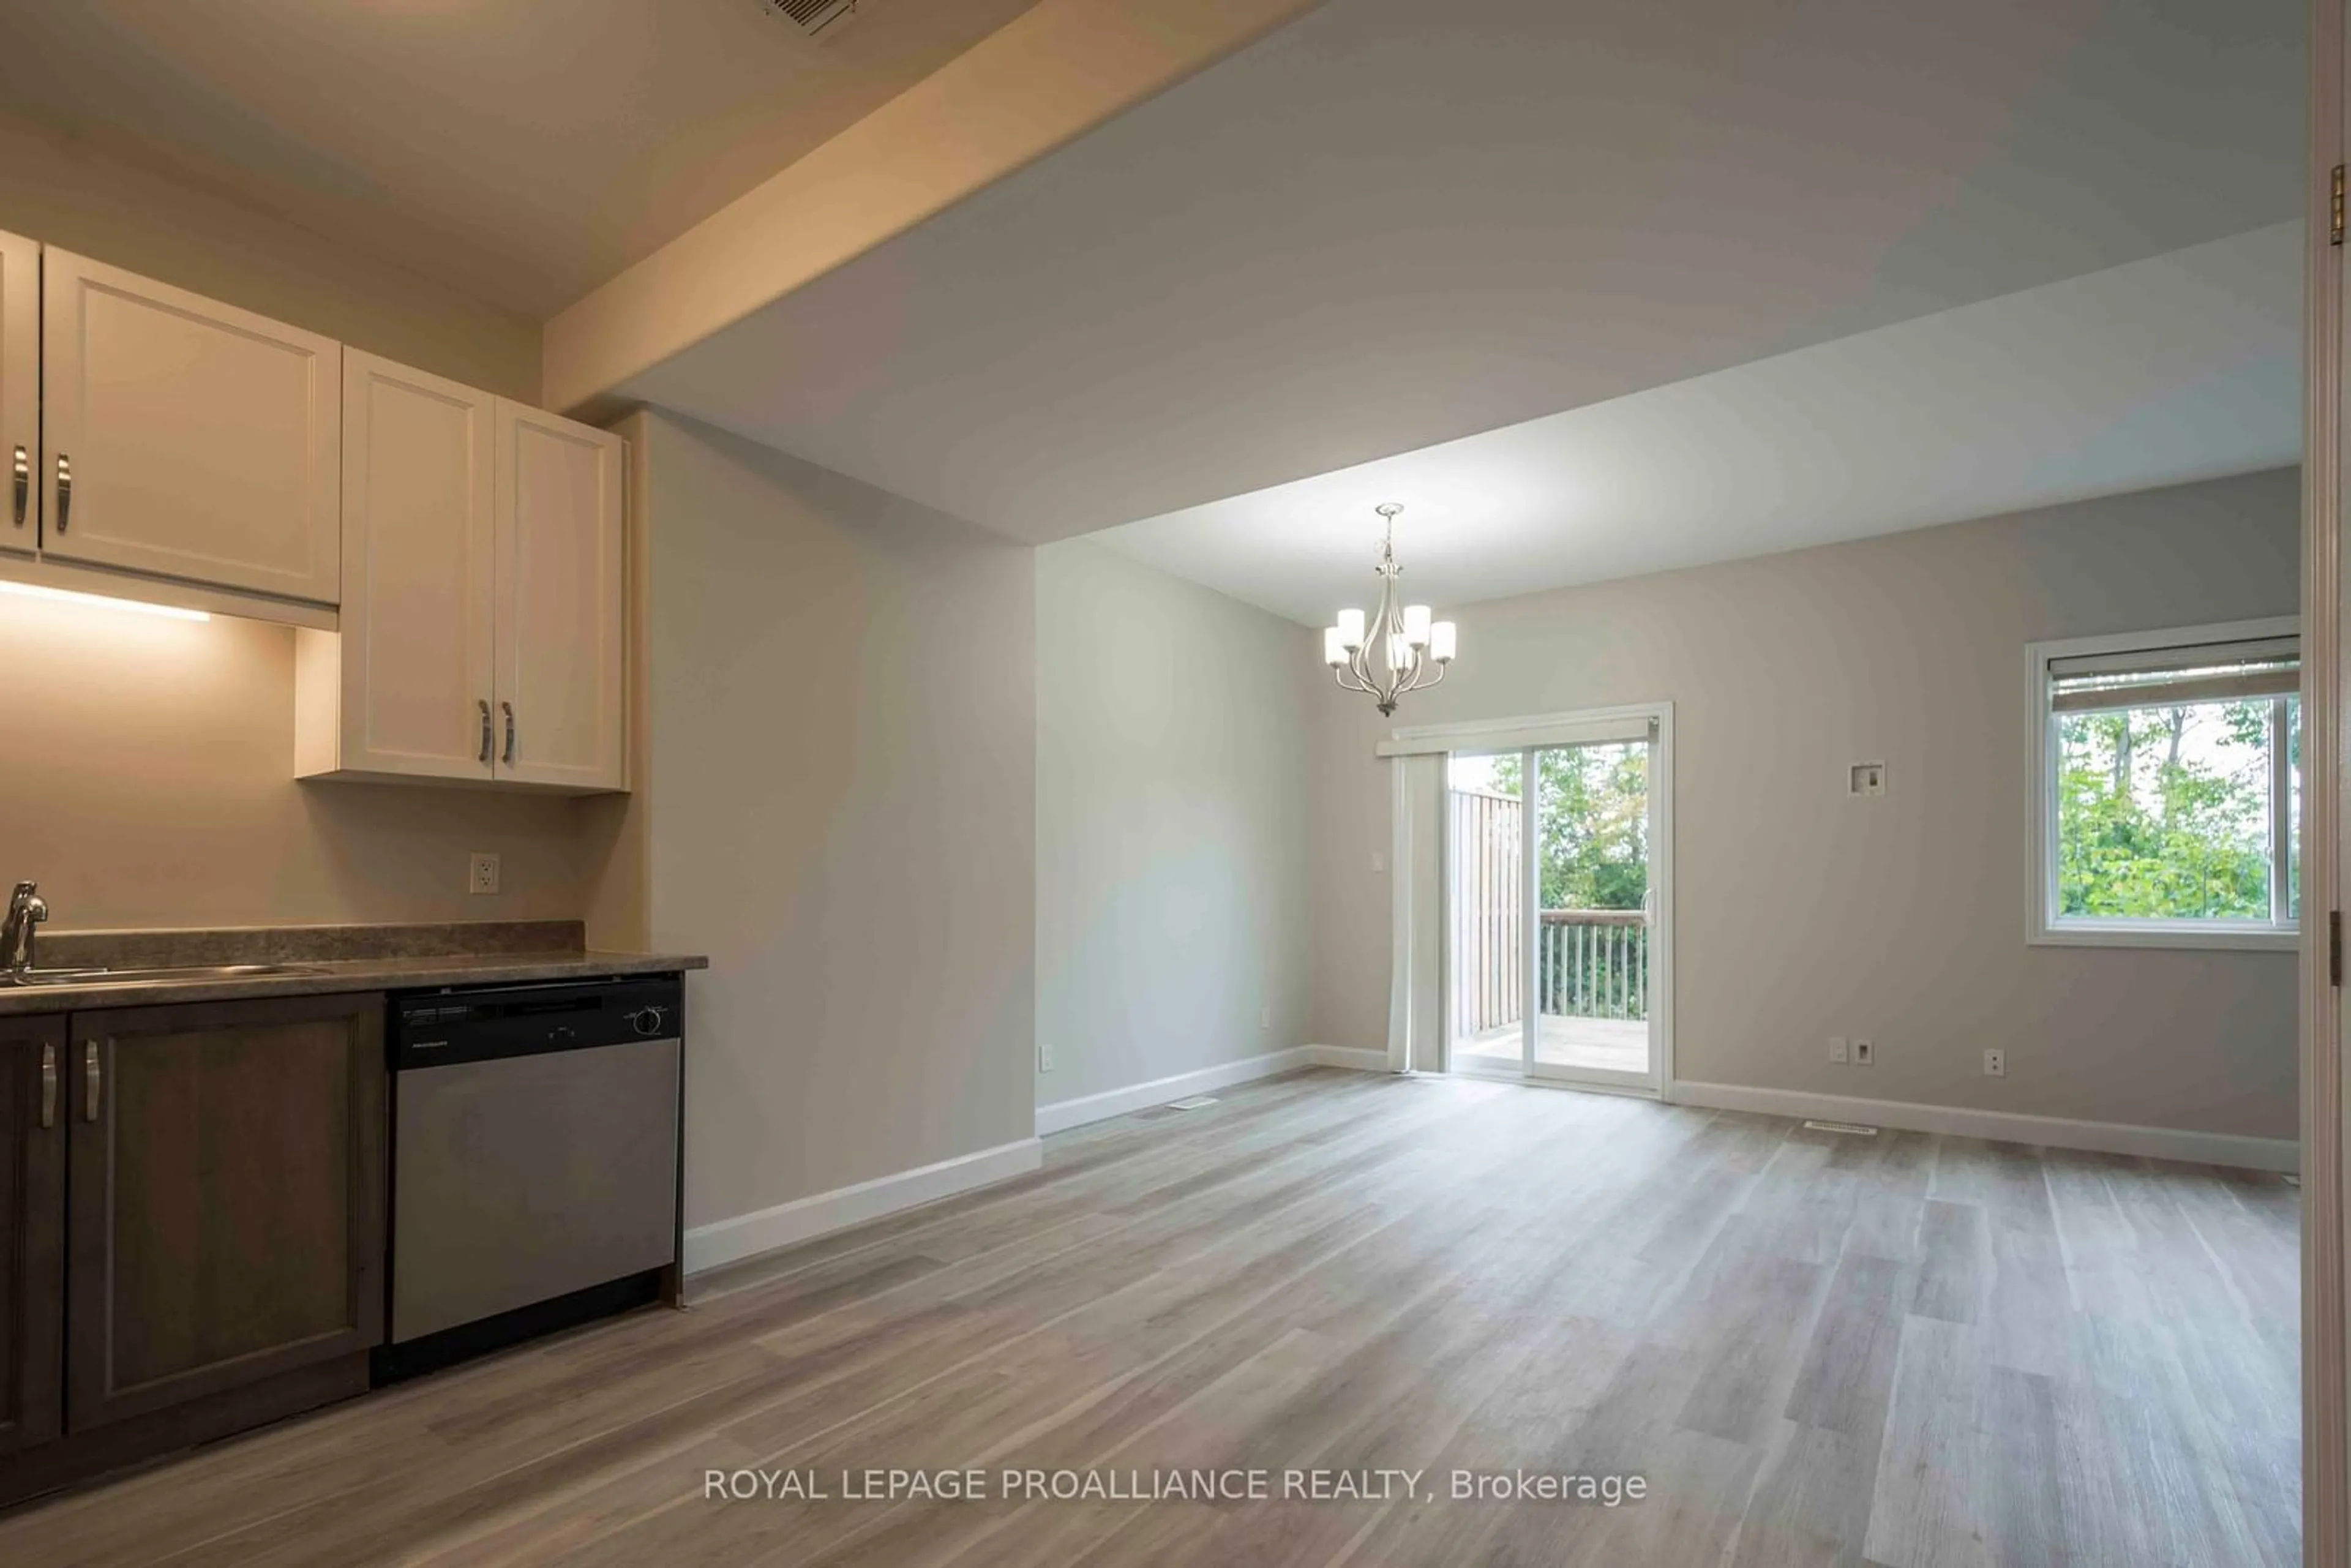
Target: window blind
2250,670
1518,736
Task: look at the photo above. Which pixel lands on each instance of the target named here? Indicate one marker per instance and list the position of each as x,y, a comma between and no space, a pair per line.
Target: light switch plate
1867,779
1044,1056
1863,1054
482,873
1837,1048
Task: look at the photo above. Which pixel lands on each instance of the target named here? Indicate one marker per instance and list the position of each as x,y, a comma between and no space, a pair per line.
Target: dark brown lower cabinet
220,1219
32,1229
226,1217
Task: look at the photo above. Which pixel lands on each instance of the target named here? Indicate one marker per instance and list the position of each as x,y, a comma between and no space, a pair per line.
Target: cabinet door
559,629
418,562
227,1197
20,393
185,438
32,1229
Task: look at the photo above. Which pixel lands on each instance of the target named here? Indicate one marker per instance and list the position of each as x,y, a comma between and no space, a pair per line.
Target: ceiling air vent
812,17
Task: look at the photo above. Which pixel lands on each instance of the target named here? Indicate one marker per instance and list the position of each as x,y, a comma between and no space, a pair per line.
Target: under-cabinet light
67,596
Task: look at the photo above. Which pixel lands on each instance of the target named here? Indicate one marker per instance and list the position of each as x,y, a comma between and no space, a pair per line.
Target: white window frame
2043,927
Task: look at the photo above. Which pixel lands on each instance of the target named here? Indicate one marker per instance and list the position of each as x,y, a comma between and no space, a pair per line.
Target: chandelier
1401,650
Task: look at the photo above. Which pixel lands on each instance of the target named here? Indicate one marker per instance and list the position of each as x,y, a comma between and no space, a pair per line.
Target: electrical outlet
1868,778
1265,1017
1044,1056
1837,1048
1995,1064
1863,1054
482,873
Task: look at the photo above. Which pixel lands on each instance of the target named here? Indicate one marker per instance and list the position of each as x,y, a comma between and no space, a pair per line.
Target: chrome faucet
26,911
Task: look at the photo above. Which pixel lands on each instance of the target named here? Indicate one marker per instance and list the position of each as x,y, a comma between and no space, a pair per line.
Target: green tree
2164,812
1592,813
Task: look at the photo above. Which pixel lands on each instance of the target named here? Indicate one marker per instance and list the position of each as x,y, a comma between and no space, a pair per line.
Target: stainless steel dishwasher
534,1161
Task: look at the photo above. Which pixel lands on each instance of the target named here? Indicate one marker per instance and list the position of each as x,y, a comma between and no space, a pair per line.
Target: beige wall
1172,818
150,780
1804,913
615,831
839,806
63,193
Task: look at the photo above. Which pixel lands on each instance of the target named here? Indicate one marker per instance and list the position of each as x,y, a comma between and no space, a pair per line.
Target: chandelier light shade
1400,649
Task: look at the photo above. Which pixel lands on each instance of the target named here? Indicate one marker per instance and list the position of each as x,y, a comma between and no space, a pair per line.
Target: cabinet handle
509,712
64,490
484,704
89,1080
24,476
49,1086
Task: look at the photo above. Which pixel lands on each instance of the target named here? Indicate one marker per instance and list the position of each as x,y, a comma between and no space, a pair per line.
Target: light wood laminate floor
1902,1350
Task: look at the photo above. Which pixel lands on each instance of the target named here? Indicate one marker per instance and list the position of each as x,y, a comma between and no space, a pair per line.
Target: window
2169,788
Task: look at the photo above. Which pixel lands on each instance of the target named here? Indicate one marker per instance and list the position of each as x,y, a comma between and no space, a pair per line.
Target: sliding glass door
1590,868
1551,967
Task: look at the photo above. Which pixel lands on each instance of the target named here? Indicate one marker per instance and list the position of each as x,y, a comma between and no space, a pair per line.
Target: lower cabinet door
32,1229
227,1212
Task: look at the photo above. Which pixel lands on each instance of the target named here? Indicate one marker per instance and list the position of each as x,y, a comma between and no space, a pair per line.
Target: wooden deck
1614,1045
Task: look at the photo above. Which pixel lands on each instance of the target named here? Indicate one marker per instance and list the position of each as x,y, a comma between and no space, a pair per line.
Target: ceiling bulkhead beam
1049,76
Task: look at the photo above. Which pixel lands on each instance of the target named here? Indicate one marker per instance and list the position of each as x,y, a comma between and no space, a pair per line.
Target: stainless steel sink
156,976
26,912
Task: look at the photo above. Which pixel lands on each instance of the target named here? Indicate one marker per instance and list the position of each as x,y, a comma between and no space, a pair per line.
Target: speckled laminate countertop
331,958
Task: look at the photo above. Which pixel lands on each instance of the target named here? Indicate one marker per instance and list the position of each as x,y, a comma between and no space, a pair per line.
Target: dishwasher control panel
437,1029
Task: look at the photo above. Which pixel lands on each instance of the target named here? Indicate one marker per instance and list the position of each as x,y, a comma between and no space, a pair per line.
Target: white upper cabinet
186,438
20,392
560,558
414,675
453,562
481,632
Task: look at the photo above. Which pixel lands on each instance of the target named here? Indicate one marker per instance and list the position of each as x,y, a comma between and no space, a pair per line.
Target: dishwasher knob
646,1020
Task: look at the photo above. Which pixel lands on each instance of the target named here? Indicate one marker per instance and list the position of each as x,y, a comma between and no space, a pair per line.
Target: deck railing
1594,963
1589,963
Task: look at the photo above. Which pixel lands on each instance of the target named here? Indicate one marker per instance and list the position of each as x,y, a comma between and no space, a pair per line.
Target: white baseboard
1062,1114
2007,1126
805,1219
1353,1057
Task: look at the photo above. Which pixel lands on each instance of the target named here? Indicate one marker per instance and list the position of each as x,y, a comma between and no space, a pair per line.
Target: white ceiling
520,151
1794,271
1392,224
2182,366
